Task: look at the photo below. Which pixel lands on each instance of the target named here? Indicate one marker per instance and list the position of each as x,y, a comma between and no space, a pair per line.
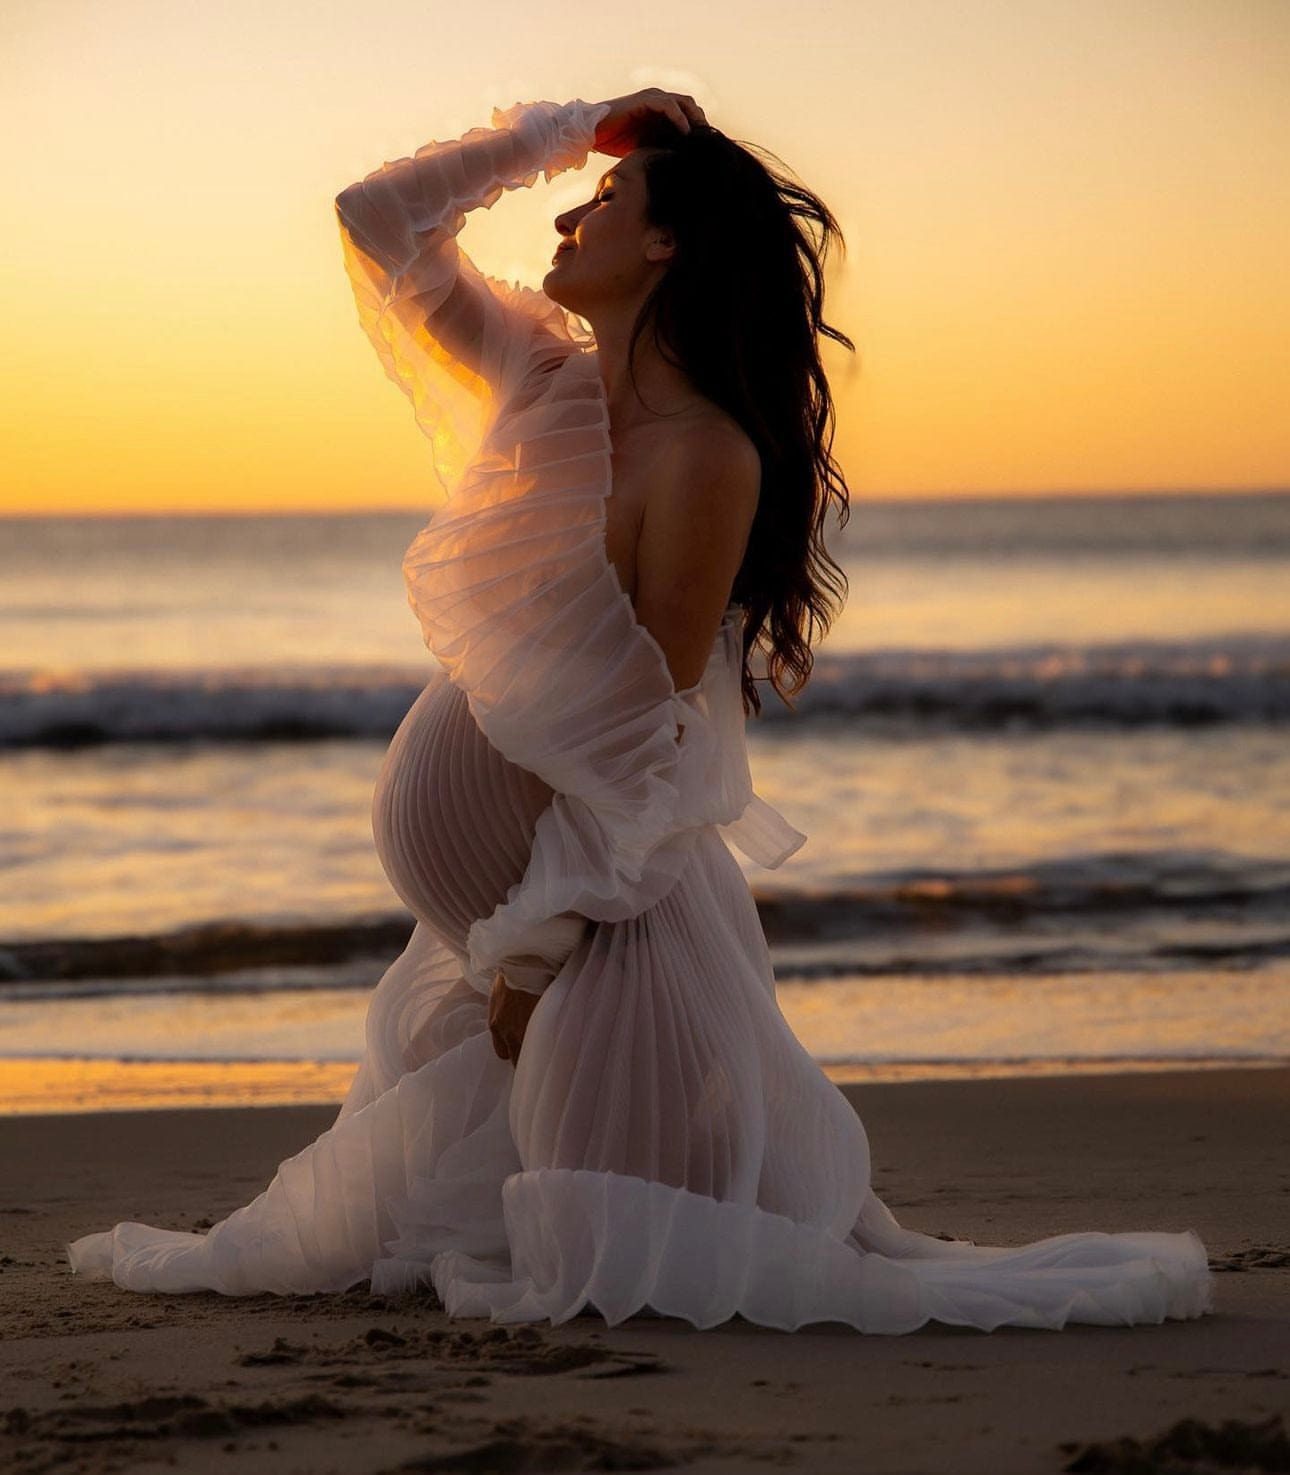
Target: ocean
1042,763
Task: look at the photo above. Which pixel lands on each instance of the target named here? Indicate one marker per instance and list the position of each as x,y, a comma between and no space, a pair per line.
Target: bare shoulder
712,457
699,512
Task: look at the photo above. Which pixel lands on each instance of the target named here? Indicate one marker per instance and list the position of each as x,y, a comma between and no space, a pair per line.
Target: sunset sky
1067,226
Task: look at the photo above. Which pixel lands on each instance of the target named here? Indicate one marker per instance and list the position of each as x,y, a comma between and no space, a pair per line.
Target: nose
567,222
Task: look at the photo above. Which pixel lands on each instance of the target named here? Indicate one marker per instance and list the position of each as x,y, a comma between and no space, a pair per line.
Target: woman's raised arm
452,338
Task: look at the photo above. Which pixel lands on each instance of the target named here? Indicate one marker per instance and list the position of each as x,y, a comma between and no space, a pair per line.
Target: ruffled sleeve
452,338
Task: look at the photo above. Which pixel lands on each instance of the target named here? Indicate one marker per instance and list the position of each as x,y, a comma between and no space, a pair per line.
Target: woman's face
607,253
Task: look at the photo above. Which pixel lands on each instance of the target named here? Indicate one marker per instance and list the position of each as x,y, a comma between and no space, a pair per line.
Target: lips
560,251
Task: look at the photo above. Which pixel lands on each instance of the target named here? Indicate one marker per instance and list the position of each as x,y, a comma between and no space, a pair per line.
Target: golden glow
47,1084
1066,225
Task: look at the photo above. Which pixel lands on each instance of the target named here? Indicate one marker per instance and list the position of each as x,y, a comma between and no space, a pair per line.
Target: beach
100,1379
1037,936
338,688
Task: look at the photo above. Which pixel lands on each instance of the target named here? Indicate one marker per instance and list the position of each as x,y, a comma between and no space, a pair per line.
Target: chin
553,288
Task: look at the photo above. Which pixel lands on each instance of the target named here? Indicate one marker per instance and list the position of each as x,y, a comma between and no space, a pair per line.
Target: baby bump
452,818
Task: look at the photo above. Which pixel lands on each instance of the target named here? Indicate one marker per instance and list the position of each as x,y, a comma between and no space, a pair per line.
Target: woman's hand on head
616,132
508,1017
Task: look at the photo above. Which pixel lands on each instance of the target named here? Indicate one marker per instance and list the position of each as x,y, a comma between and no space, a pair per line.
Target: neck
660,388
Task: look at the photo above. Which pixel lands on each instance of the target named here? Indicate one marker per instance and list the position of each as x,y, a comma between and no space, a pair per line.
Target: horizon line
887,500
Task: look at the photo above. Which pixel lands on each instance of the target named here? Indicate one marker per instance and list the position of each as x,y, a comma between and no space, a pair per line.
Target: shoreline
82,1085
105,1379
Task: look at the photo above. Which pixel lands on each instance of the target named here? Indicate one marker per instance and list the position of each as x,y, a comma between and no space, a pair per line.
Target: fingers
501,1041
680,107
506,1046
495,1027
692,109
684,111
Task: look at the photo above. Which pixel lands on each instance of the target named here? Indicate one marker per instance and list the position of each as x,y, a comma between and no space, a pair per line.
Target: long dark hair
740,311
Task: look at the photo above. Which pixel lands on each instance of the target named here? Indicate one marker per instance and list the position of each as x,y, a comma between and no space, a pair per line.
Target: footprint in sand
521,1351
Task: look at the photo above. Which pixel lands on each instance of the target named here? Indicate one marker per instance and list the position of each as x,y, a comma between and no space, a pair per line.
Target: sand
99,1379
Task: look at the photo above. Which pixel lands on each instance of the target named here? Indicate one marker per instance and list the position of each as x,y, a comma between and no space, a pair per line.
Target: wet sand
97,1379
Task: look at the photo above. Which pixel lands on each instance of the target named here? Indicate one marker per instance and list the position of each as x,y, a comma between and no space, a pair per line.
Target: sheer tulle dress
552,807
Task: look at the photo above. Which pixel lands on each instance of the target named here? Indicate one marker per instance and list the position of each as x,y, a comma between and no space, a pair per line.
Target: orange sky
1067,224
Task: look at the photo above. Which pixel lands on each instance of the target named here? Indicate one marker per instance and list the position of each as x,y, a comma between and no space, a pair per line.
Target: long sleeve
452,338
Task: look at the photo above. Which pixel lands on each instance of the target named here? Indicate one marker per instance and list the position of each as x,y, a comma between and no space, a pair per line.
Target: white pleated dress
553,807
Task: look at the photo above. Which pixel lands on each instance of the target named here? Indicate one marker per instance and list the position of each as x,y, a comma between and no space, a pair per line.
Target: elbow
353,205
356,219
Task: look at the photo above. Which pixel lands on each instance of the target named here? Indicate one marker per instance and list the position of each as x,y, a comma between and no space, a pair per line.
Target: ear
661,246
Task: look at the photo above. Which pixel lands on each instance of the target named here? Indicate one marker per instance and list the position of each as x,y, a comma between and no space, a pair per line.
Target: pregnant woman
578,1091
